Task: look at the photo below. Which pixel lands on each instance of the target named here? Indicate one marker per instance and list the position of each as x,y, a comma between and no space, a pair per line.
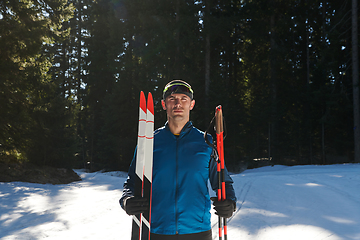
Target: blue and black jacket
182,167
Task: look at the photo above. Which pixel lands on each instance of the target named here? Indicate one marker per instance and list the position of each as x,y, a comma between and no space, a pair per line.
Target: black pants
195,236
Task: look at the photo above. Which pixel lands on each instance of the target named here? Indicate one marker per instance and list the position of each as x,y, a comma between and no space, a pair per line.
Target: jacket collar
187,127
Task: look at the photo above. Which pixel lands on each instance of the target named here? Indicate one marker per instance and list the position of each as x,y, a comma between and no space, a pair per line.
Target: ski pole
219,125
220,219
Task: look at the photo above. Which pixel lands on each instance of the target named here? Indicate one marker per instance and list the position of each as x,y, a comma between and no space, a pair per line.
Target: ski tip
142,101
150,103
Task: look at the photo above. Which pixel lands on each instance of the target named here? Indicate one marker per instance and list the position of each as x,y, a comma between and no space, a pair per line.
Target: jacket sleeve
129,184
214,180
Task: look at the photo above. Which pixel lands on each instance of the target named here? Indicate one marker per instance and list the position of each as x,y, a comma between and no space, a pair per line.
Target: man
182,166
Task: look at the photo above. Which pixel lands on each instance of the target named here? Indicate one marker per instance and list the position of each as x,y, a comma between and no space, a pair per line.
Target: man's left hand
224,208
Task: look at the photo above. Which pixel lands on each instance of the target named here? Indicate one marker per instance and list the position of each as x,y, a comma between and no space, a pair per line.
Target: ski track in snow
316,202
273,203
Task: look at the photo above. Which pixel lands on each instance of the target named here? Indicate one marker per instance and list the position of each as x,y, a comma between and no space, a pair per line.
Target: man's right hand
135,205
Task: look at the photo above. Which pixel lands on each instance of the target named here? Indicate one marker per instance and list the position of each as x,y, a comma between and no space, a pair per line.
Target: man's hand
224,208
135,205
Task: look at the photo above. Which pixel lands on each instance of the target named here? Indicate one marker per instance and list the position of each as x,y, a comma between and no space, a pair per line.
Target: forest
284,71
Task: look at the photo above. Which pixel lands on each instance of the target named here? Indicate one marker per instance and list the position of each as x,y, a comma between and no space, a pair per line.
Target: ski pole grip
219,120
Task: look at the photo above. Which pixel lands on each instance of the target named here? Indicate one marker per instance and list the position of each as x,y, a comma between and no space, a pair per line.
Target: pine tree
26,28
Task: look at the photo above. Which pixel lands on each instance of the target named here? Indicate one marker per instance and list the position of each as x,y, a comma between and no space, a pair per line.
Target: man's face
178,106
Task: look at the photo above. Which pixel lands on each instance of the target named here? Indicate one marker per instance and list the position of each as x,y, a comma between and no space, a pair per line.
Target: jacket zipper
176,190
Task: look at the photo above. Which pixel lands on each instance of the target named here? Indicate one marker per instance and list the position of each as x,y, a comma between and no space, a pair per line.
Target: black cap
178,86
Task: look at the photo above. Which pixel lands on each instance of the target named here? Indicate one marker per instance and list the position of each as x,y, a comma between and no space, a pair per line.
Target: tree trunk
177,41
307,108
207,66
207,51
273,89
355,75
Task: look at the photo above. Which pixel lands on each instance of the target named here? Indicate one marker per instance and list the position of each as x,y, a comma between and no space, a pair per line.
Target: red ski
144,162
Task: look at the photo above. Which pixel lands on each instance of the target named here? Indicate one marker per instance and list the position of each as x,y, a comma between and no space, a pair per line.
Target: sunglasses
178,88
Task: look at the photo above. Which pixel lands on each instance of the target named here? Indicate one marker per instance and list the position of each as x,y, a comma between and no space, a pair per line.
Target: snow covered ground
274,203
